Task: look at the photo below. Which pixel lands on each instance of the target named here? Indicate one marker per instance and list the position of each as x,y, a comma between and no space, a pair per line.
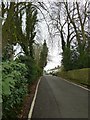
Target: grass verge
80,76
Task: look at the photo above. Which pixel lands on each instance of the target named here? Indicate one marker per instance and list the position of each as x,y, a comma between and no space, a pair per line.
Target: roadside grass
79,76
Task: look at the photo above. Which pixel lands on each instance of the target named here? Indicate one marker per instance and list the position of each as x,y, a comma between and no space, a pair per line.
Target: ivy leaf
7,84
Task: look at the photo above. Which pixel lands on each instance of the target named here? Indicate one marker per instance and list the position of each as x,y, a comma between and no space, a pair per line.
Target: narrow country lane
57,98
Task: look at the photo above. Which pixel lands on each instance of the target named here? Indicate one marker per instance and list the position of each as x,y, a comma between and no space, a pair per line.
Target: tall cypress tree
31,20
43,55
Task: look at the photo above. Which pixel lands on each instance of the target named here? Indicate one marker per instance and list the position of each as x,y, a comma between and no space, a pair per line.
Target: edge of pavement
34,99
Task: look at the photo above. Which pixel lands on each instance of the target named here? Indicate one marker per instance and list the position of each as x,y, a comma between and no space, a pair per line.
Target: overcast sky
54,57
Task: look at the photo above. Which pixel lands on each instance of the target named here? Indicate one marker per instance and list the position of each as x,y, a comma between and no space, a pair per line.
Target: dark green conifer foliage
43,55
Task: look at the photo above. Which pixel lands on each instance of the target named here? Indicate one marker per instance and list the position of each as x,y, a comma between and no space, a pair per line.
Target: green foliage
7,84
12,31
43,55
33,70
66,61
14,86
31,21
73,59
24,70
8,52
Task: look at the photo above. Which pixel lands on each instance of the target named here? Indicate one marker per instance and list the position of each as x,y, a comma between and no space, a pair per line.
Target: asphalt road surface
57,98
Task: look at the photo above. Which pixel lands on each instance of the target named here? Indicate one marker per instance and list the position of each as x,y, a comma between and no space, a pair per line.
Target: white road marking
75,84
33,102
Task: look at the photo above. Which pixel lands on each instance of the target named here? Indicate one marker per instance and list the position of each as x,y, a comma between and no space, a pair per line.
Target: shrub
34,71
14,86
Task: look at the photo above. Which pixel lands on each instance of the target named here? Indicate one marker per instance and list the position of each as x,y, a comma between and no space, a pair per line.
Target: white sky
54,51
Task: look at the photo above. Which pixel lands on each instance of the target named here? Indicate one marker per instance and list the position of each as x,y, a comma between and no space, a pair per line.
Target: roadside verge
79,76
33,101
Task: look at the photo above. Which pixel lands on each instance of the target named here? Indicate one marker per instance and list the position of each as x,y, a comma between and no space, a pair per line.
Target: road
57,98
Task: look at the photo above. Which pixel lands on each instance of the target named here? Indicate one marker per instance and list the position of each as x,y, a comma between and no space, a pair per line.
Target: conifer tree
43,55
